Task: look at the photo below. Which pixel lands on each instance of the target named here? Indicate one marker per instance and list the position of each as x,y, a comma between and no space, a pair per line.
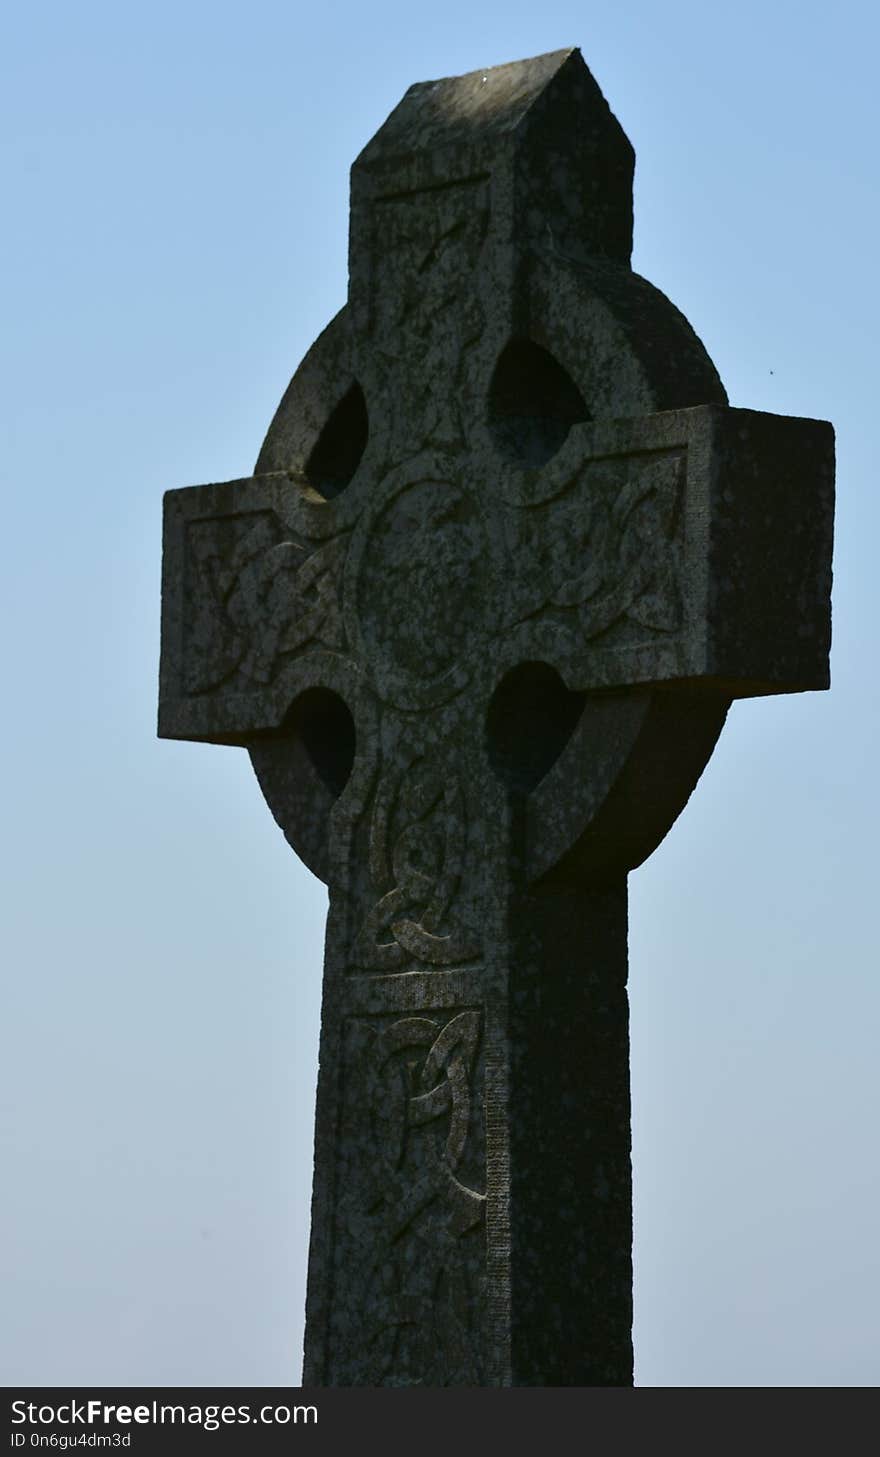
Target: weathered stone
478,619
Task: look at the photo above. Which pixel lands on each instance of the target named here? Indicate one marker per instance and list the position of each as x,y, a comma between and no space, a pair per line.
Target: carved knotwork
431,251
615,549
417,840
419,1221
257,597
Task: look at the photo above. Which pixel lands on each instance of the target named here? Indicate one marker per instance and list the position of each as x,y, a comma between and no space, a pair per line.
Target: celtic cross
478,618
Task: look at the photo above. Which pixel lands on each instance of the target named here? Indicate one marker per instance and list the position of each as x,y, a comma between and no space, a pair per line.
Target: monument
478,617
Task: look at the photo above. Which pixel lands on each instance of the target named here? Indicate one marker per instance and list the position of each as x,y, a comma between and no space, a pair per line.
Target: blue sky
175,181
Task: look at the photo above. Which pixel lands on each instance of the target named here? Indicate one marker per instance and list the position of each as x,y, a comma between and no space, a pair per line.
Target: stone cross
478,618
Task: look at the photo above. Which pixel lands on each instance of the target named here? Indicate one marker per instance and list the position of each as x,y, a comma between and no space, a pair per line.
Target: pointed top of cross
545,118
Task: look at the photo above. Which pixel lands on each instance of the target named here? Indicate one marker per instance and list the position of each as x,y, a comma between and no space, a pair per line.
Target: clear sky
175,185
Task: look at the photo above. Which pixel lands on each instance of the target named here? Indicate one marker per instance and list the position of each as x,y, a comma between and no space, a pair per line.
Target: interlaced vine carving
257,597
417,841
616,552
416,1298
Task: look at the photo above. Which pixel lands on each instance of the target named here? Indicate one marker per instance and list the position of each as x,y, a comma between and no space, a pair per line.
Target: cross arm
689,548
250,599
769,487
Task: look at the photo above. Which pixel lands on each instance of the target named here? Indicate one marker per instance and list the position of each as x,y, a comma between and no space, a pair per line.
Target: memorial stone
478,618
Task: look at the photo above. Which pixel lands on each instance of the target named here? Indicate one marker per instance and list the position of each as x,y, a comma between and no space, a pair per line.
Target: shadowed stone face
420,591
478,619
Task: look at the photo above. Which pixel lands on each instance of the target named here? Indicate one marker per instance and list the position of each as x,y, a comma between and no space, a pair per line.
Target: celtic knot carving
616,551
424,300
257,596
417,838
416,1297
403,1095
